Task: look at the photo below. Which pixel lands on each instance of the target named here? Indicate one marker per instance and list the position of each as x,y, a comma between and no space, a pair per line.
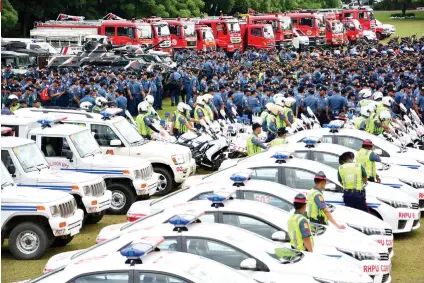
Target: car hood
109,232
68,177
59,260
15,195
141,208
193,180
402,161
118,162
412,153
357,217
400,172
161,148
229,163
388,193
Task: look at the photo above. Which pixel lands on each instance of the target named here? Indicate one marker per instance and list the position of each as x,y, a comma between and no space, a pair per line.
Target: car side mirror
12,169
280,236
330,187
115,143
248,264
378,151
69,155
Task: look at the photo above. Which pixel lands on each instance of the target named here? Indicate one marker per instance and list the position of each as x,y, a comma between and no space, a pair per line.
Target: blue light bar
162,122
239,177
217,198
230,128
310,140
281,156
139,248
331,126
183,220
47,122
106,114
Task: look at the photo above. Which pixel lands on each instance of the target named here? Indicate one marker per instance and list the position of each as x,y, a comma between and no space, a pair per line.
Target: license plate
74,231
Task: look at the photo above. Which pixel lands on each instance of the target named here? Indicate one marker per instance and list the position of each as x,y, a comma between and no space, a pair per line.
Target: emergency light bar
182,220
48,121
240,177
140,248
110,112
333,127
310,141
227,193
281,156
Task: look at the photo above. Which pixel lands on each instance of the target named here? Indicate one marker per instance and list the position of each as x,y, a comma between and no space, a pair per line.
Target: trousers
356,201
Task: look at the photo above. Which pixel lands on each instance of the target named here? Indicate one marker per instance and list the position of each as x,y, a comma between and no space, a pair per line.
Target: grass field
407,263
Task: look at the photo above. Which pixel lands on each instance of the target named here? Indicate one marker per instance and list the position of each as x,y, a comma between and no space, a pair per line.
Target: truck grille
421,203
98,189
235,39
288,36
414,205
67,209
384,256
146,173
191,43
385,277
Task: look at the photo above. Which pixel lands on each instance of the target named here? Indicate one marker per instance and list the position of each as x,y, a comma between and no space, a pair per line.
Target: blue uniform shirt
420,102
311,101
337,102
217,101
121,102
253,102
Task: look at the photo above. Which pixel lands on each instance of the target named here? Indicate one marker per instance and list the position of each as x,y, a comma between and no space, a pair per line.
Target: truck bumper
67,226
282,44
316,41
183,171
146,187
97,204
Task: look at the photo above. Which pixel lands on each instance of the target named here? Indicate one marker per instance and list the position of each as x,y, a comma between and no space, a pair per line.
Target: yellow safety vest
142,128
252,148
278,141
181,128
314,212
363,158
351,175
295,234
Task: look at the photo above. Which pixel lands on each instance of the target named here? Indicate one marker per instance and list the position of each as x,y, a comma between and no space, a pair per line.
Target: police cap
367,142
320,176
300,198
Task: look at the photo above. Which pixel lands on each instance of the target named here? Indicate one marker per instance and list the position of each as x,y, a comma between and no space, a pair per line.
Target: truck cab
311,24
281,25
73,148
162,34
366,18
257,36
335,32
183,33
35,219
226,31
33,170
353,30
205,38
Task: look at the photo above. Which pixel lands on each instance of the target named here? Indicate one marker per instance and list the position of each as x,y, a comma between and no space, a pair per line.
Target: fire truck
366,18
183,33
281,25
335,31
353,30
310,24
205,39
258,36
226,31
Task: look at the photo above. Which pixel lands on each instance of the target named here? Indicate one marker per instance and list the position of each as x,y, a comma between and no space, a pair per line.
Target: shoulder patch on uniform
305,225
321,198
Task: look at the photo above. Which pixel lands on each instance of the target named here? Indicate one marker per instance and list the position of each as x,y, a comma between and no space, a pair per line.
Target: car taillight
134,216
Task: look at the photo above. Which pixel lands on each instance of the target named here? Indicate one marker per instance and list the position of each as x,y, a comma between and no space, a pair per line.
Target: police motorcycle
311,122
412,126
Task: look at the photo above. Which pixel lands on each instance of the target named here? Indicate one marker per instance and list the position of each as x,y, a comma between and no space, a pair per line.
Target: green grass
404,27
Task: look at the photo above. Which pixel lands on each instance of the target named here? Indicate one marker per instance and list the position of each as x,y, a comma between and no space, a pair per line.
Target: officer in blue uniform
311,101
419,103
253,104
121,101
337,104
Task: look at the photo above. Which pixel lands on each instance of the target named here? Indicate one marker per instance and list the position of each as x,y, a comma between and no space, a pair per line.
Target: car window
327,139
249,223
301,154
6,158
266,174
329,159
350,142
217,251
112,277
159,278
202,196
268,199
54,146
169,245
104,134
298,179
110,31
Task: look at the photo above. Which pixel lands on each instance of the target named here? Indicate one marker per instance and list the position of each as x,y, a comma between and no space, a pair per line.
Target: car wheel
94,218
165,182
122,198
28,241
62,241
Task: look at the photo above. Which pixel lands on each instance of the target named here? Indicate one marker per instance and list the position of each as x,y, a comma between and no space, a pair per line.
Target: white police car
352,138
141,261
408,180
393,206
255,256
274,194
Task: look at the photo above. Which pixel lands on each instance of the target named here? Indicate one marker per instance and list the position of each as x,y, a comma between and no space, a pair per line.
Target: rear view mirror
248,264
69,155
280,236
115,143
12,169
378,151
330,187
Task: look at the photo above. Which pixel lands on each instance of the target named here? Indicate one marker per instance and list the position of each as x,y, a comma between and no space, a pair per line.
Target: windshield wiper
34,166
5,184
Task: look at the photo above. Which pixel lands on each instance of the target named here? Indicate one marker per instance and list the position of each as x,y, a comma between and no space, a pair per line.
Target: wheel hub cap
27,242
118,200
162,183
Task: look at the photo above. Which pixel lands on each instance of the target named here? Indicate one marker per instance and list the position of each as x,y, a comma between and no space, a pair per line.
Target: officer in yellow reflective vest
281,137
367,158
254,145
353,177
144,124
317,209
181,120
299,227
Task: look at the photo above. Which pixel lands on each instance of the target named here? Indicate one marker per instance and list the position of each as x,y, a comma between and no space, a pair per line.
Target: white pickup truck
73,148
33,170
33,219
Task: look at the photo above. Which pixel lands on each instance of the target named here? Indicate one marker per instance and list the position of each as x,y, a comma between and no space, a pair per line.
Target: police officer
353,177
419,103
299,227
281,137
180,120
317,209
144,124
254,145
379,123
367,158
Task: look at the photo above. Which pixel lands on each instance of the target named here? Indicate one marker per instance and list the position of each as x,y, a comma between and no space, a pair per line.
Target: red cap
300,198
367,142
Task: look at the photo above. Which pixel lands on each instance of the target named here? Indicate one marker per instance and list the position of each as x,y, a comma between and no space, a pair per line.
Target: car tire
94,218
166,181
122,198
28,241
62,241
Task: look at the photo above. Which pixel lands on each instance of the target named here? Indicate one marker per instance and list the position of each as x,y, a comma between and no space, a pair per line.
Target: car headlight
396,204
87,190
54,210
177,159
137,174
360,255
367,230
417,185
322,280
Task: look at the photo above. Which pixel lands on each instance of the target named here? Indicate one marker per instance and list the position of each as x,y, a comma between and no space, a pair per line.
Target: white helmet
372,107
100,101
378,95
276,109
187,107
200,101
385,115
207,97
365,93
12,97
289,101
143,106
181,106
269,106
279,101
86,105
365,111
150,99
387,101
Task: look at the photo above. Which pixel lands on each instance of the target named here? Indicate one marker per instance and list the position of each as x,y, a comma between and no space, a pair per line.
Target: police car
255,256
270,193
352,138
141,260
32,170
393,206
33,219
408,180
73,148
116,136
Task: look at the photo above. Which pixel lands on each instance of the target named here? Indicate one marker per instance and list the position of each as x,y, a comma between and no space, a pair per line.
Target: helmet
100,101
279,101
276,109
385,115
365,93
181,106
200,101
86,105
12,97
207,97
269,106
365,111
150,99
288,102
387,101
378,95
143,106
187,107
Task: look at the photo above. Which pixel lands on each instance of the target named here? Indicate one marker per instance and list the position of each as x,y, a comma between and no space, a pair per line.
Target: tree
240,6
9,16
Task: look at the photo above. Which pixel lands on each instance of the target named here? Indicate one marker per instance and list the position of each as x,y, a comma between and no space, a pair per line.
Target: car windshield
371,15
299,32
128,132
144,31
30,157
85,143
286,24
284,255
162,30
268,32
189,29
208,35
320,23
337,27
233,27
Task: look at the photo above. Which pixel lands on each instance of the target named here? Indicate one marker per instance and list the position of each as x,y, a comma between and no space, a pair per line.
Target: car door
118,276
158,277
265,198
272,174
326,158
55,149
104,136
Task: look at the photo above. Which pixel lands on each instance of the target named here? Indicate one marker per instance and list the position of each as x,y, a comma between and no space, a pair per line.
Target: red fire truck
366,18
226,31
257,36
183,33
162,34
205,39
353,30
335,31
310,24
281,25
